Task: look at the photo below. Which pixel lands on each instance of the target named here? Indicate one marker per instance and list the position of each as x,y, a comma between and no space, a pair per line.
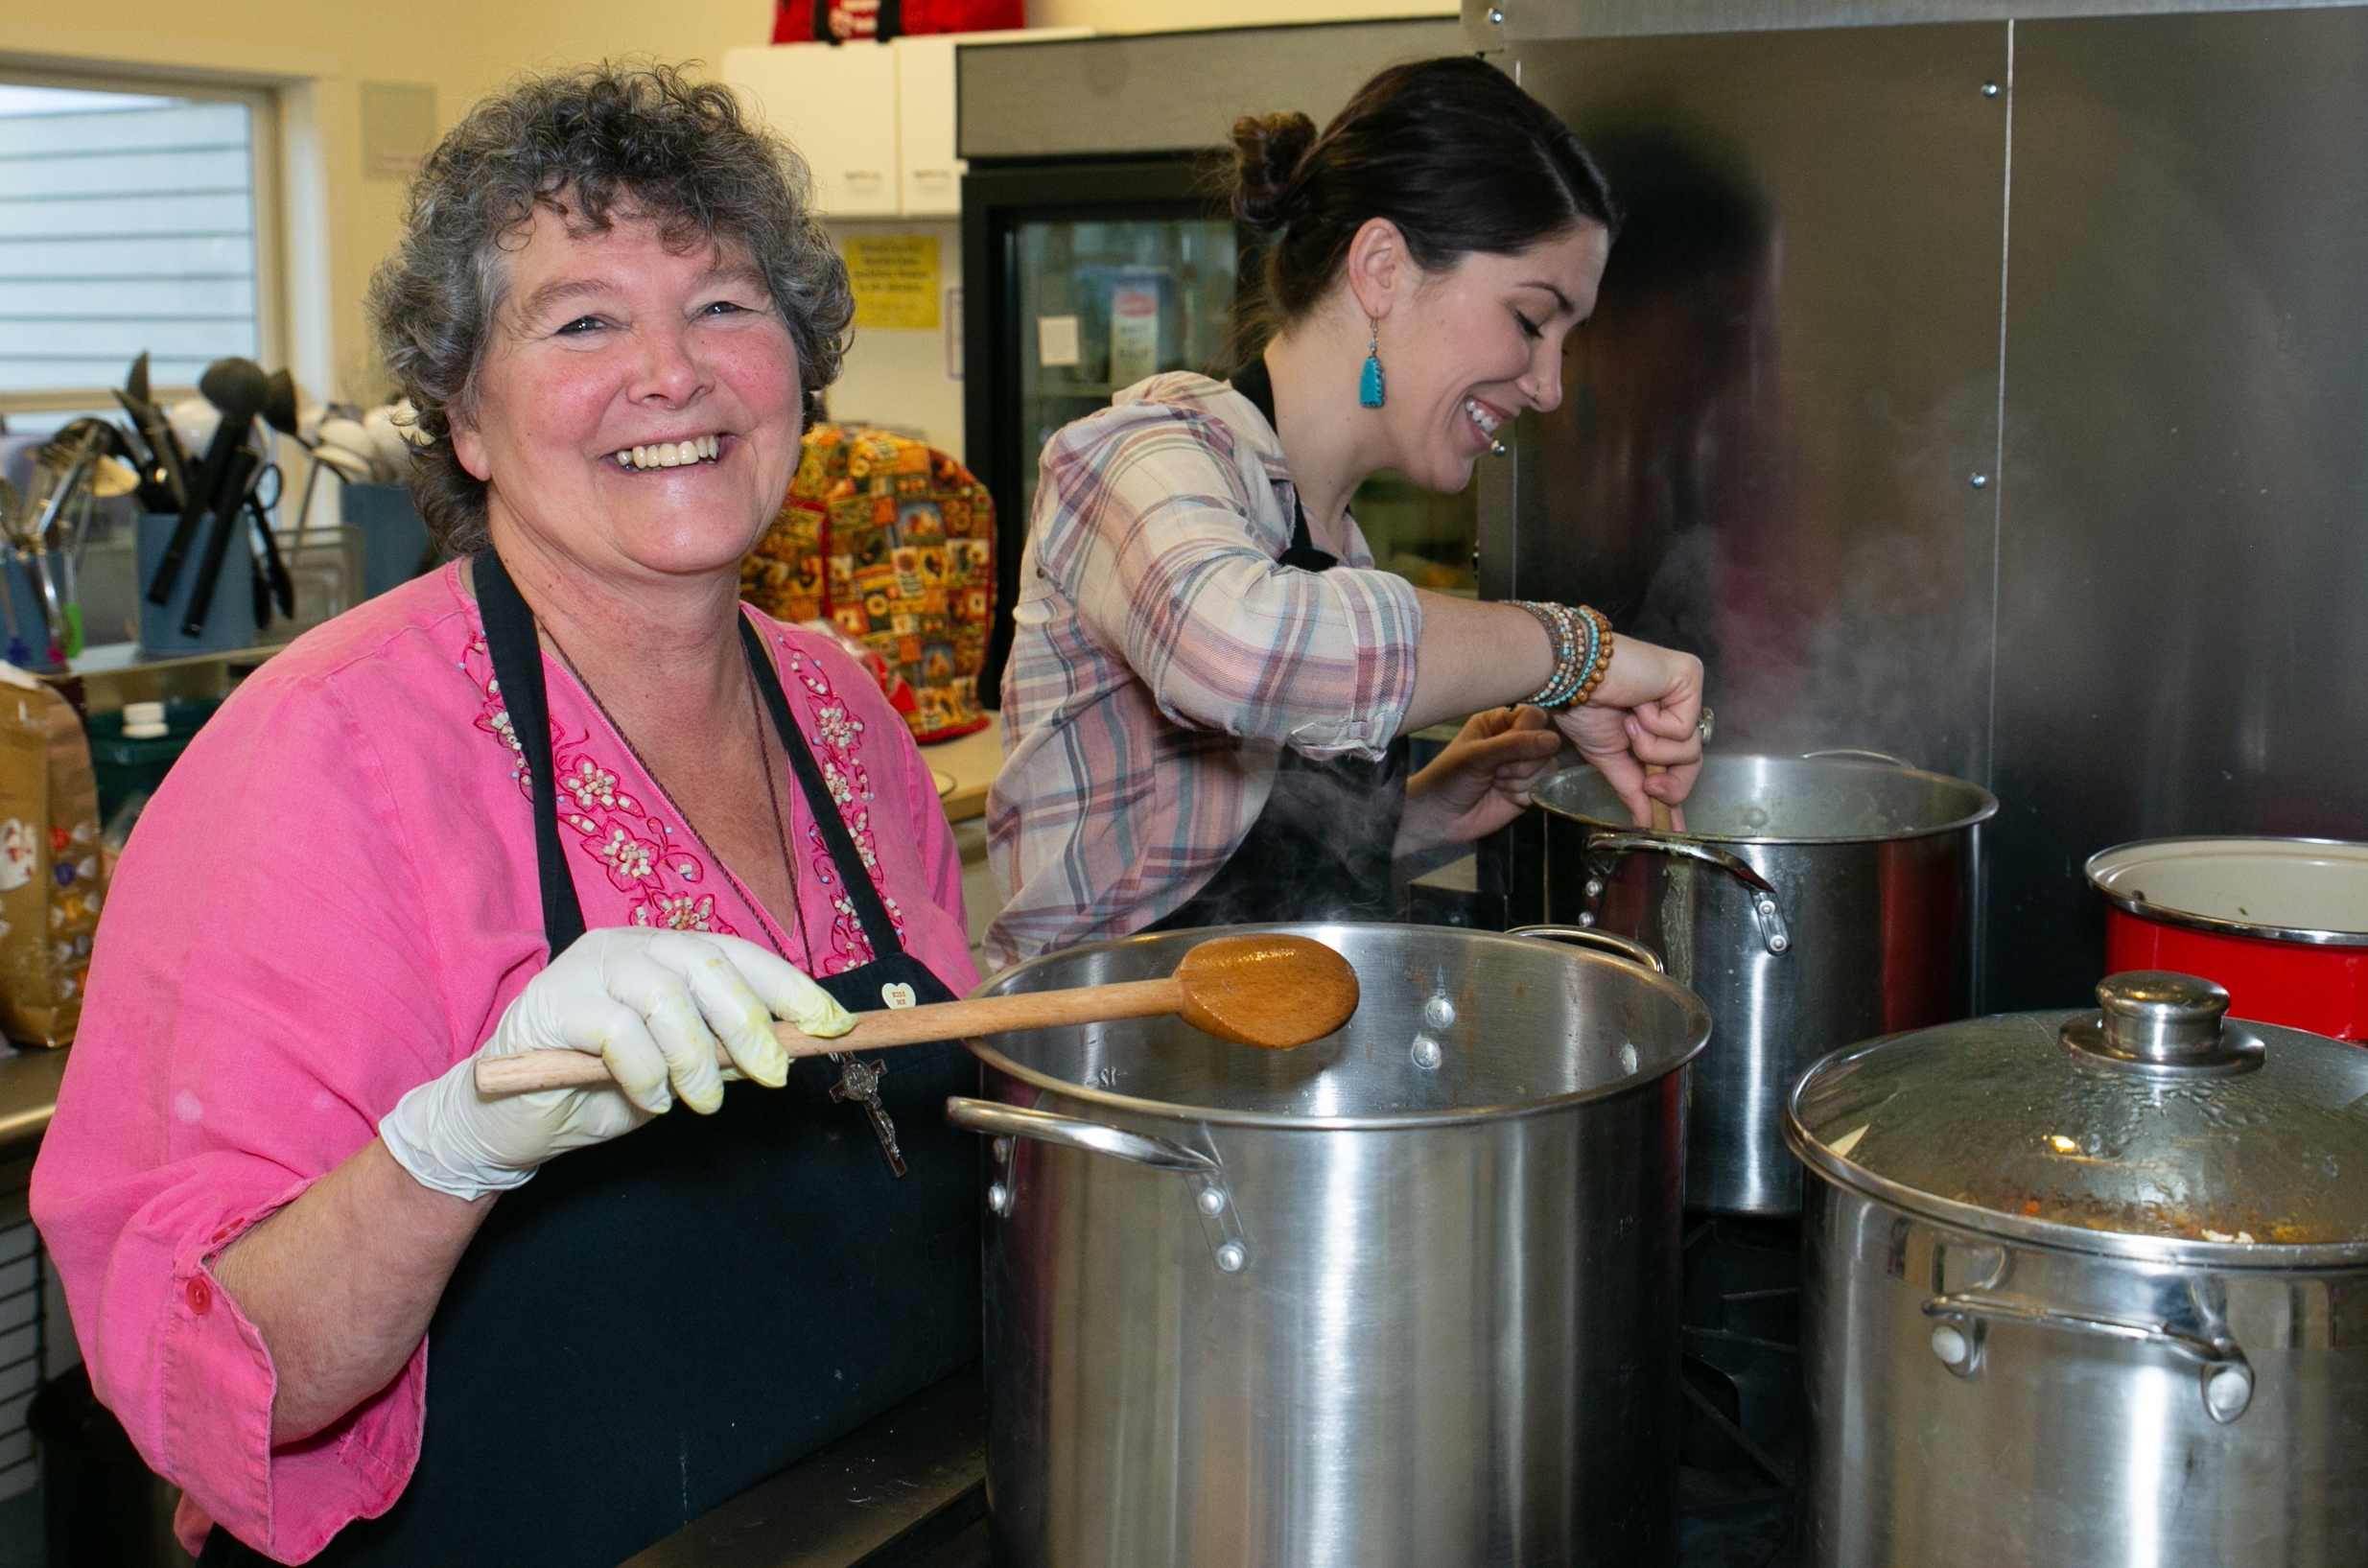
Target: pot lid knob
2160,1024
2161,1017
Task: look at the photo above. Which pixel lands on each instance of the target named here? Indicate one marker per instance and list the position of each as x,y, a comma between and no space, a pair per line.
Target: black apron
1321,848
653,1326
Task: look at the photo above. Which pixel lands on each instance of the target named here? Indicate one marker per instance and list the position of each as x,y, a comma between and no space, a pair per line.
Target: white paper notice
1133,334
1056,341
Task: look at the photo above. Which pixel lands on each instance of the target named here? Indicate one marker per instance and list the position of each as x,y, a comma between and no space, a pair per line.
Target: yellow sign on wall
895,279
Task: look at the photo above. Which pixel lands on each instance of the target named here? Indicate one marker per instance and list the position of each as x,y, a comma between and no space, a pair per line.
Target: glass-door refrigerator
1080,279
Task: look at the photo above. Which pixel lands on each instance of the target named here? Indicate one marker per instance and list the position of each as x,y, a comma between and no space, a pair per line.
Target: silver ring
1709,722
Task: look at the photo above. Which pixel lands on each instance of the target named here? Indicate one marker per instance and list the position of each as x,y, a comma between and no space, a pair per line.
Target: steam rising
1698,492
1321,850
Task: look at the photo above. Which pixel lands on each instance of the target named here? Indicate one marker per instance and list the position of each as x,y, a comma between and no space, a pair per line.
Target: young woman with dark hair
1209,682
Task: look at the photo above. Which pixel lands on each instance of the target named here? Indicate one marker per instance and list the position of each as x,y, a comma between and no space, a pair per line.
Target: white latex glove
652,1005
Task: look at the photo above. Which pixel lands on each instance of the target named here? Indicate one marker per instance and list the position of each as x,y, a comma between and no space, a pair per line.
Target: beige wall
337,223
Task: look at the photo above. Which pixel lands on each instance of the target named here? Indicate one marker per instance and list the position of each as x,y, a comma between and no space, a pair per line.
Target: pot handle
1075,1132
1764,910
1586,936
1958,1334
1861,751
1212,1198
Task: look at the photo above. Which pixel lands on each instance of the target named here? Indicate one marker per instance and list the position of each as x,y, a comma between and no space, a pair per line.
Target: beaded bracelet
1565,690
1581,639
1599,668
1560,633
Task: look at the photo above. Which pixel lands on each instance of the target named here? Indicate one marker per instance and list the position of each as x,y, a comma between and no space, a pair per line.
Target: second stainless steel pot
2087,1288
1403,1299
1811,899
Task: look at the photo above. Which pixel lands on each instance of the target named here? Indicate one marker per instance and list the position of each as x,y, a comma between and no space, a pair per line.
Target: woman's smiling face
1467,348
638,407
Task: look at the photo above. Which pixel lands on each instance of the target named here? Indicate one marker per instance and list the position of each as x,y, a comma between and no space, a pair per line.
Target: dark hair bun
1268,150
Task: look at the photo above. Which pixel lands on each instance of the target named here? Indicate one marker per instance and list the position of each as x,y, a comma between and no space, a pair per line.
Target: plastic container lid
2155,1129
143,720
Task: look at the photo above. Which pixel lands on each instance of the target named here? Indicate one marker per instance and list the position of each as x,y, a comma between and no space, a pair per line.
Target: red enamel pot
2280,923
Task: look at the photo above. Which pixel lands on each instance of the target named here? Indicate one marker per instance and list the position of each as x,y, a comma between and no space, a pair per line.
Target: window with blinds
128,224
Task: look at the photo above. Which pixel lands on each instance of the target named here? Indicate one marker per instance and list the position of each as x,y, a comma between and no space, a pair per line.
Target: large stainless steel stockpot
1811,899
2088,1288
1405,1297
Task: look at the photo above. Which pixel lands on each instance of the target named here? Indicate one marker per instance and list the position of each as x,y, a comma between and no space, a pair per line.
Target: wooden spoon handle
1660,808
876,1031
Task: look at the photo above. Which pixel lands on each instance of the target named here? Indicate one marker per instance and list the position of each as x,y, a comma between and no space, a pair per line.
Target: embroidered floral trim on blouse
649,860
836,740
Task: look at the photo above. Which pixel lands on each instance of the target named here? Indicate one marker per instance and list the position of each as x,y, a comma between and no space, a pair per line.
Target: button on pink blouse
332,900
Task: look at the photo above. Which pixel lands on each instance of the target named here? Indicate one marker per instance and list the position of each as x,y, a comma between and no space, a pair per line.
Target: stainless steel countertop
914,1477
28,1095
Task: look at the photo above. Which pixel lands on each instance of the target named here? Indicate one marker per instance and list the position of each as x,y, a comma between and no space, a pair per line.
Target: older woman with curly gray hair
565,796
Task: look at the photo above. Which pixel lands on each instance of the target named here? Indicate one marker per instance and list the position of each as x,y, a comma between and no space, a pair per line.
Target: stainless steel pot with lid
1811,899
1407,1295
2078,1282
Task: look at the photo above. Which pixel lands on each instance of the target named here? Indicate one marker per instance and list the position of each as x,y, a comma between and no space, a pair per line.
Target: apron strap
878,928
517,666
1253,381
518,669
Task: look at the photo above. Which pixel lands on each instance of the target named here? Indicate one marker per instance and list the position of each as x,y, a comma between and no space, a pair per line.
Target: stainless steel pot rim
2222,1257
1167,1110
1170,1112
1980,814
2216,925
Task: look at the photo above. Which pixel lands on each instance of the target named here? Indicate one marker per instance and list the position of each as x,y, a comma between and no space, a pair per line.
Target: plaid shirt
1162,658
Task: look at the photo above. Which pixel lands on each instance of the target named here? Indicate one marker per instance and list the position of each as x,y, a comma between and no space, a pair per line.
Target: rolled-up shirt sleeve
1170,575
256,1002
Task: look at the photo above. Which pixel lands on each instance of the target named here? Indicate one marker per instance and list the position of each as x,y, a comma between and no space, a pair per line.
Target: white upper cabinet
931,175
875,121
837,104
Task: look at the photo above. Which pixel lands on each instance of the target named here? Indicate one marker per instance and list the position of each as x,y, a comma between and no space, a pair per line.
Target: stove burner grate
1746,1400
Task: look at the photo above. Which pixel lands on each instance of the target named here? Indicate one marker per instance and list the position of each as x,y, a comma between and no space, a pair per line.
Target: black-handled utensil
279,405
259,592
151,491
238,388
171,466
280,411
275,578
230,518
162,472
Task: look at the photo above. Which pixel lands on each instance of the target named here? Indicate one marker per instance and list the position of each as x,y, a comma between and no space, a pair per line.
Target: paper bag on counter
51,883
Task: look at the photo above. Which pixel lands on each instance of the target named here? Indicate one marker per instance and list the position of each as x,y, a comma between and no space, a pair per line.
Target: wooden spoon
1661,822
1272,992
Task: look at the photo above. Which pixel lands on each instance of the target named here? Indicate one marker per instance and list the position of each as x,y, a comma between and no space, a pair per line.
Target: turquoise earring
1370,391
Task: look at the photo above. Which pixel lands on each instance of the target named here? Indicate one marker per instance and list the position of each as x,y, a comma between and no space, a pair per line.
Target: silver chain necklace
772,798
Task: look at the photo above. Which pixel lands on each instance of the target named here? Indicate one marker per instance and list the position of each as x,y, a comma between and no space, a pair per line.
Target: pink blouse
332,900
